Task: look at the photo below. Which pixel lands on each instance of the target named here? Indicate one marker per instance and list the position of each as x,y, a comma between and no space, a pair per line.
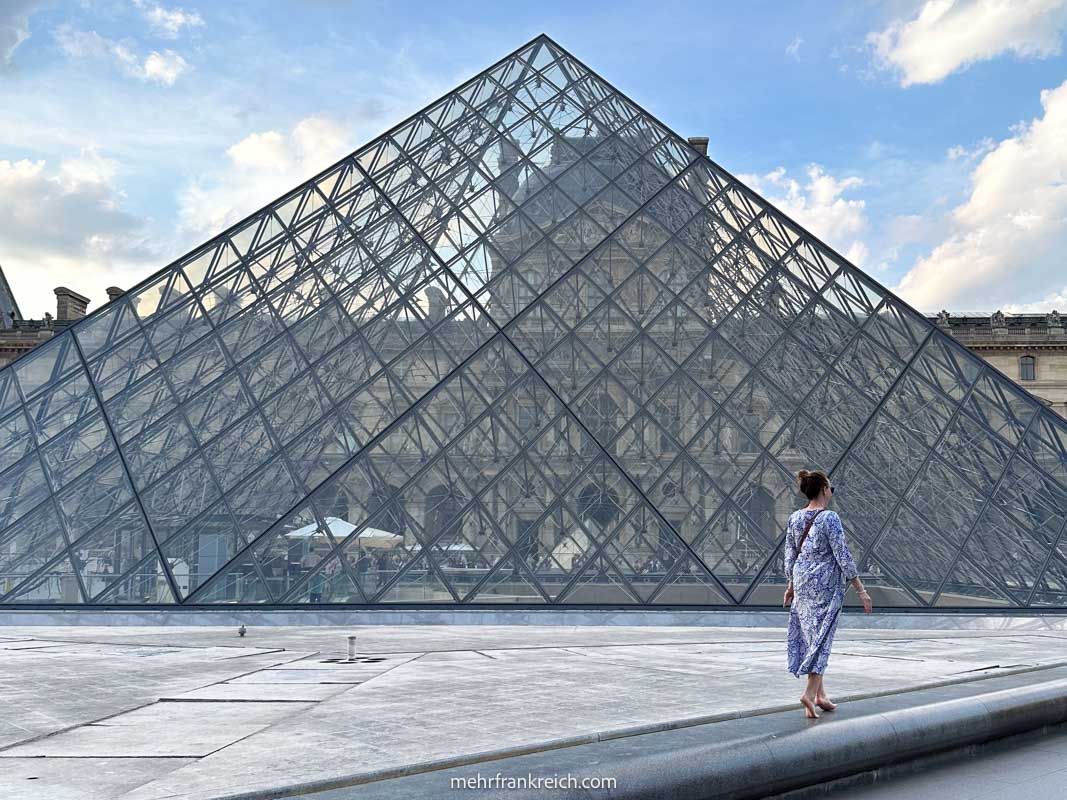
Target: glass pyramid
528,347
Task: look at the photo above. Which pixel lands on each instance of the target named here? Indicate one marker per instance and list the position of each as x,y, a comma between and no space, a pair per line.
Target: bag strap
807,528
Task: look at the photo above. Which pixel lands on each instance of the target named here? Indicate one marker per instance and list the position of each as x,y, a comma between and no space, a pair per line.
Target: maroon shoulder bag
807,528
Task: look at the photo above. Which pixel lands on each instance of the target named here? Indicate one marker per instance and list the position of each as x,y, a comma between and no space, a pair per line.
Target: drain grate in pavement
357,660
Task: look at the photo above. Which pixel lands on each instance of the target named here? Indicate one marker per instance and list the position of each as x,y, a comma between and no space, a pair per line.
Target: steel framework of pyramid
528,347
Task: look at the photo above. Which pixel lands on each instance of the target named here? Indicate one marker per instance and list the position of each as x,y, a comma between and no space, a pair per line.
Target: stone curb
891,736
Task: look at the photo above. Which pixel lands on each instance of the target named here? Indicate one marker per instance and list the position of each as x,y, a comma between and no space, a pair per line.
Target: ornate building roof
9,308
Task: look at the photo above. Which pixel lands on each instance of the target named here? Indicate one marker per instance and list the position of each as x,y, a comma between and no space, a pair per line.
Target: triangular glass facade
529,347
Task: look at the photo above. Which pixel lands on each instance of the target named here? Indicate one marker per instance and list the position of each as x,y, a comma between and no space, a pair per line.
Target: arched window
760,509
752,427
443,504
607,412
526,289
1027,368
598,505
392,516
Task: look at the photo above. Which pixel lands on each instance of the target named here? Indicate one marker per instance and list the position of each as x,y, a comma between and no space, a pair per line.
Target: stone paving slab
438,693
167,730
258,692
78,778
46,690
300,676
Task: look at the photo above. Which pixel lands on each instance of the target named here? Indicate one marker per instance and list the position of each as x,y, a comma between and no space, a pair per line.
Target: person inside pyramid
817,565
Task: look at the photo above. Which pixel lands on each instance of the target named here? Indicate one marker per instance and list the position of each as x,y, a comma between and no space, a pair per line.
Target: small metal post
351,648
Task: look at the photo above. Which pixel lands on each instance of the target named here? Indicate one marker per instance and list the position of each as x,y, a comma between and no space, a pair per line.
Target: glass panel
15,439
239,582
1001,407
160,295
920,408
174,502
916,552
159,450
9,395
147,402
864,502
889,451
123,366
191,372
320,451
177,329
56,583
22,487
244,334
47,364
145,584
112,549
1007,552
295,407
297,546
974,450
946,500
73,452
61,406
202,549
239,451
218,407
261,501
106,328
1033,498
29,545
94,498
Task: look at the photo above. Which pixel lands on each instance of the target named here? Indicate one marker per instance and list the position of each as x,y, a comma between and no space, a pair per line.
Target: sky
924,139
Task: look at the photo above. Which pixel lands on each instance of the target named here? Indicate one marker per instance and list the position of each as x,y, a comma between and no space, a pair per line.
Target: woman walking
817,564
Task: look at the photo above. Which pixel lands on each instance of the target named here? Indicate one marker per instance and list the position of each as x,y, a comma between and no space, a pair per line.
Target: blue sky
926,140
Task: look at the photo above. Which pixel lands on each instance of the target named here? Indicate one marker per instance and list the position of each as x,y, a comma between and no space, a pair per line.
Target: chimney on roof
700,144
70,305
114,293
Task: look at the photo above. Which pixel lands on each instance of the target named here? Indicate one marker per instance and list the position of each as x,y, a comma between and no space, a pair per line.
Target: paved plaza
147,713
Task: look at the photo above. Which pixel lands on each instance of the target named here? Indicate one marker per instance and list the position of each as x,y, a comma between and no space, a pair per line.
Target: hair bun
811,483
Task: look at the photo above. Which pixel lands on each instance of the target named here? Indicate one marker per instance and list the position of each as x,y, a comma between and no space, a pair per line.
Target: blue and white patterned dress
819,575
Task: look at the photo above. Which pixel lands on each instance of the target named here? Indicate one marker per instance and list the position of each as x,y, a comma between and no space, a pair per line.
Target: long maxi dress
819,573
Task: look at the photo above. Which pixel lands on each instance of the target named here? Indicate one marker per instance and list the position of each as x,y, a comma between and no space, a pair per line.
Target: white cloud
949,35
65,225
1005,243
960,153
793,48
266,151
168,22
163,68
1056,301
819,205
14,26
262,166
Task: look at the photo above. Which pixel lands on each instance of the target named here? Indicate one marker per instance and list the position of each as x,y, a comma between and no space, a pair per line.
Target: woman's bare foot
824,702
809,707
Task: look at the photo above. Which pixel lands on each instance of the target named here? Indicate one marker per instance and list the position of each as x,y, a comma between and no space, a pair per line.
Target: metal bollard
351,648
